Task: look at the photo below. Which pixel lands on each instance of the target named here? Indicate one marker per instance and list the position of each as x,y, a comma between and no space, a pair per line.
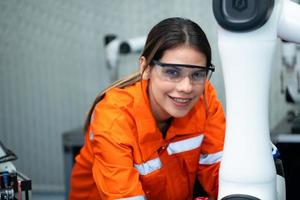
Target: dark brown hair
167,34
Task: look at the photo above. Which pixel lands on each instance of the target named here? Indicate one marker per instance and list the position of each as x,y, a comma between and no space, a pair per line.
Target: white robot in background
114,47
291,62
247,37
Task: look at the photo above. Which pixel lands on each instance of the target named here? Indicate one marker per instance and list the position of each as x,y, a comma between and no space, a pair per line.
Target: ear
144,68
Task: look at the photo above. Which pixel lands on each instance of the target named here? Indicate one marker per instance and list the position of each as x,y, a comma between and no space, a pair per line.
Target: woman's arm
212,147
112,144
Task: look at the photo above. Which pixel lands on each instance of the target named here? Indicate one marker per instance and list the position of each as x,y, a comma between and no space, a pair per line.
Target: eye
171,72
199,75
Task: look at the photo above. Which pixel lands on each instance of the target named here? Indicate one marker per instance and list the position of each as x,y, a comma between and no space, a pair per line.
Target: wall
52,65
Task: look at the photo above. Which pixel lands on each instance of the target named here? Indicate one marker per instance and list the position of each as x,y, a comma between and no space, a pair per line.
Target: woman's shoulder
211,97
121,97
115,113
118,103
210,92
209,88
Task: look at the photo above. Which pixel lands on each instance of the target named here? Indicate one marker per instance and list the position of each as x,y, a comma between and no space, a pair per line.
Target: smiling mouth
181,101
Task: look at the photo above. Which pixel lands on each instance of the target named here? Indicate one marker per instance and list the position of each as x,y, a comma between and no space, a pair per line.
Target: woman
151,135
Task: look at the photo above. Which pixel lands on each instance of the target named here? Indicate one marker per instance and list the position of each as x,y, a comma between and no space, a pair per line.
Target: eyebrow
176,65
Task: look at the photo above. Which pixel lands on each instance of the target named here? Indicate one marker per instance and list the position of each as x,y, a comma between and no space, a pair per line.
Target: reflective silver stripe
185,145
140,197
208,159
91,134
149,166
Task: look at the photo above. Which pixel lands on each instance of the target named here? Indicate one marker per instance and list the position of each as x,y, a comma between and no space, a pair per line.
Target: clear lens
171,73
175,74
198,75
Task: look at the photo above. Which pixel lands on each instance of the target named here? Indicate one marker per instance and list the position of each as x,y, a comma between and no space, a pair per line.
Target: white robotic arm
112,52
291,63
289,30
288,27
114,47
247,37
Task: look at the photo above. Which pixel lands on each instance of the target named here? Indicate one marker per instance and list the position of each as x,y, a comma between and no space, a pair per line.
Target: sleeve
212,147
113,170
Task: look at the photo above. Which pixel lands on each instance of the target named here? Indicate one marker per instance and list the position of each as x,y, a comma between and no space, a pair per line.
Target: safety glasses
177,72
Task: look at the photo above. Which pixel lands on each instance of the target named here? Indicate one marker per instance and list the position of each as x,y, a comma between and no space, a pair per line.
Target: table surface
73,137
281,133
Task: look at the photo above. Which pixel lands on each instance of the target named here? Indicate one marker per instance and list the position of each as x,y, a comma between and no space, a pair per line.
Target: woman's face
175,98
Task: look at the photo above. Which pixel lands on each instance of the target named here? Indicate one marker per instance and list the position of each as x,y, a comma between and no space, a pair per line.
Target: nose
185,85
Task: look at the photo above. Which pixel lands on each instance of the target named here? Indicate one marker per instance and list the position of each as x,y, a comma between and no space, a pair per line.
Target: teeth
179,100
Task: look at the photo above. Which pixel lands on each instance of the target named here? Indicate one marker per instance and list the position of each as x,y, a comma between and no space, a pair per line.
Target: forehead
184,55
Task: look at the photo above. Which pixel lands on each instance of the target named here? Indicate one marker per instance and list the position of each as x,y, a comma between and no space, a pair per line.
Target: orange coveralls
126,157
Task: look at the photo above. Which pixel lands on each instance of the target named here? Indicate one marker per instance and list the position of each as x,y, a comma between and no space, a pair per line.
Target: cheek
164,89
199,90
160,87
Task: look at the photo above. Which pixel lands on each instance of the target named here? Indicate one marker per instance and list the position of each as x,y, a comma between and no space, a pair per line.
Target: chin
178,114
